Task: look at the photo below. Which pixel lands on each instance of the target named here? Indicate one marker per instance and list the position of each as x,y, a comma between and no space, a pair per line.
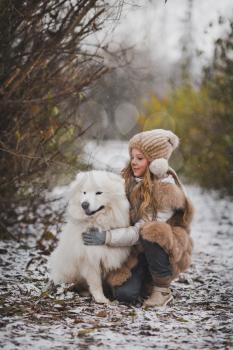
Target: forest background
75,71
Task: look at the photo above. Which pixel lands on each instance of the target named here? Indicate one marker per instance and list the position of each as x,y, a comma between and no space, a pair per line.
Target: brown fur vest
173,236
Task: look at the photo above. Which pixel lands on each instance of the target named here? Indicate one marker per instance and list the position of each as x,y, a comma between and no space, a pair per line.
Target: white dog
107,208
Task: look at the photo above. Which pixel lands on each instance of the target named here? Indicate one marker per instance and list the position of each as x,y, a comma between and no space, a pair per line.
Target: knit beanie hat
157,145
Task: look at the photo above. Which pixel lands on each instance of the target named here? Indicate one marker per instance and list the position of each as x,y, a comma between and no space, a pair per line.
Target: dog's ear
71,190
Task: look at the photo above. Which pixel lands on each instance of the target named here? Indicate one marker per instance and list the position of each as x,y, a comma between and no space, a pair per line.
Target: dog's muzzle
85,205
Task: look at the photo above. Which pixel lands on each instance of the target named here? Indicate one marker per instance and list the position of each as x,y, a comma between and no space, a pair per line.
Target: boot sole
169,301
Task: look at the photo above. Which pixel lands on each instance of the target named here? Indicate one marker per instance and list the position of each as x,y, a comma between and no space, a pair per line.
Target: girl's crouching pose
160,216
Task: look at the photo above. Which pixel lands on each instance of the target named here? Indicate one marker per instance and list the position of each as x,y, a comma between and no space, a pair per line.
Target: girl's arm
124,237
119,237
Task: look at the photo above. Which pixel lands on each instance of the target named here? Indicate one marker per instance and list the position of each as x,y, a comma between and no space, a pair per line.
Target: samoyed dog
74,262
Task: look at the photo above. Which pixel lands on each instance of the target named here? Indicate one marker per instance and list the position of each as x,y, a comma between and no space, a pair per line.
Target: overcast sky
158,28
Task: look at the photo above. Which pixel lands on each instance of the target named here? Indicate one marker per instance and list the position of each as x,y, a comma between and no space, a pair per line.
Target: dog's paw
102,300
84,293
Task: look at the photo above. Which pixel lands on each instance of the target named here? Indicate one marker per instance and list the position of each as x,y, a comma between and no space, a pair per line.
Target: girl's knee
126,294
130,291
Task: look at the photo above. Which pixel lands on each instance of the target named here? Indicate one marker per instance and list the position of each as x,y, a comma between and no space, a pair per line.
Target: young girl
160,215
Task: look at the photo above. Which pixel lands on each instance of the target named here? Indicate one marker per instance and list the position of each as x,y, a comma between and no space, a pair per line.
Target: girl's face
138,162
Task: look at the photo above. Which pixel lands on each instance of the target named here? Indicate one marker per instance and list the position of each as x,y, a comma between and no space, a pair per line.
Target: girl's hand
94,237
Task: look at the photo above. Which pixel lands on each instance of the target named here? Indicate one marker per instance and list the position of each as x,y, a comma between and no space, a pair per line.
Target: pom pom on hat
159,167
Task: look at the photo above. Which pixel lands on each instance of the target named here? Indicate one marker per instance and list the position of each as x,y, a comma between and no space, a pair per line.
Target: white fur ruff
72,261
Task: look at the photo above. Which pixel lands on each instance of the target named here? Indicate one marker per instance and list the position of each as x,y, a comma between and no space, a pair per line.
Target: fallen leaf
101,313
85,331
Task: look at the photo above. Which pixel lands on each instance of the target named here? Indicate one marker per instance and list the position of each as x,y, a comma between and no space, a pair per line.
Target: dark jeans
153,261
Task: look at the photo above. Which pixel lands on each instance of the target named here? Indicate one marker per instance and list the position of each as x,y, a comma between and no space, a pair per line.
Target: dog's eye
84,192
98,192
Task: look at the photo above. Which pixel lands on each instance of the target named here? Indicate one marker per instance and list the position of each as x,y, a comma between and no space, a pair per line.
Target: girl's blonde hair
139,194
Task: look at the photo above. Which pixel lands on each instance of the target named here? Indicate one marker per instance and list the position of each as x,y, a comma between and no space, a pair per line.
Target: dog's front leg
93,278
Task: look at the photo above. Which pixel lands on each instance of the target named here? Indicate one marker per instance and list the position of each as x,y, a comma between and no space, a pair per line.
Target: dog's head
97,192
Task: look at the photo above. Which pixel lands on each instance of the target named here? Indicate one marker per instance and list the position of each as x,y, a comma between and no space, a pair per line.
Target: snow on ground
35,317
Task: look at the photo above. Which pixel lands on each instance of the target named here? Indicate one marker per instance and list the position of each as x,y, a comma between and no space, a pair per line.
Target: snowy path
200,318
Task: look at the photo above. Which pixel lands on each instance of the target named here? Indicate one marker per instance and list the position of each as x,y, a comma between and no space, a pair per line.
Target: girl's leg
158,263
161,273
131,290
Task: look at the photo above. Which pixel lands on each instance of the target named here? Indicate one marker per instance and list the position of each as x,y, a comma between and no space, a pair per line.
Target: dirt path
200,318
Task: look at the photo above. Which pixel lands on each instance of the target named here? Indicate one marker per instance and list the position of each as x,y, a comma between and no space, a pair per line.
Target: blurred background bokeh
78,75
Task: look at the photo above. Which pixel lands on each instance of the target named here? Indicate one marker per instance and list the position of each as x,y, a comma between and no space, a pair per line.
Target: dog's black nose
85,205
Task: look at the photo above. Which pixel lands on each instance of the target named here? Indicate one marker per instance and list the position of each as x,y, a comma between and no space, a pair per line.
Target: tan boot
160,296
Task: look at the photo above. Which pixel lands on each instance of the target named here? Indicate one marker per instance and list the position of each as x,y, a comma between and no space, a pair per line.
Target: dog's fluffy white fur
74,262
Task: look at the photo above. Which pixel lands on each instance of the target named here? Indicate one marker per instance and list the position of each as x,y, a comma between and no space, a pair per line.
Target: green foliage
204,126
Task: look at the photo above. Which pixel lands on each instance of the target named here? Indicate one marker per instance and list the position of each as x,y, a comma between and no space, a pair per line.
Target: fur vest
173,236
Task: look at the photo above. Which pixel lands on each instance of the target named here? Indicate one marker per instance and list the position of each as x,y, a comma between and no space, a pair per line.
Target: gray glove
94,237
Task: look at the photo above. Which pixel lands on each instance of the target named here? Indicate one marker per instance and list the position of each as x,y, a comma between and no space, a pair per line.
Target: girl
160,215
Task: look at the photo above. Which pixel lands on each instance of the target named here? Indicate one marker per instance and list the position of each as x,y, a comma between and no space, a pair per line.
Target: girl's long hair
139,194
143,198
